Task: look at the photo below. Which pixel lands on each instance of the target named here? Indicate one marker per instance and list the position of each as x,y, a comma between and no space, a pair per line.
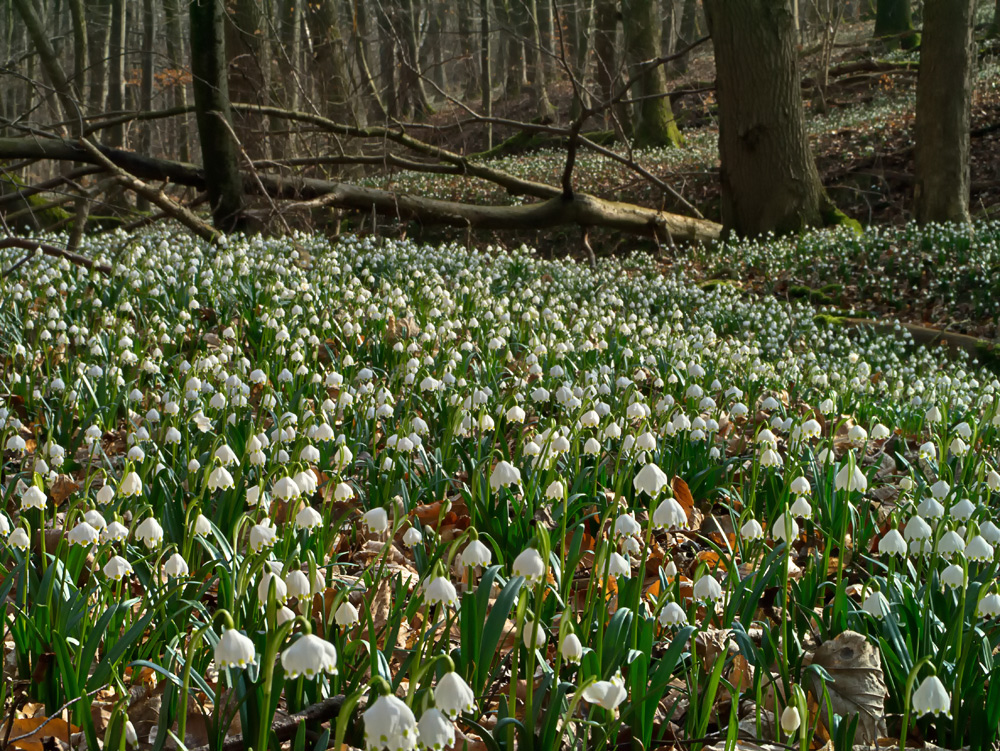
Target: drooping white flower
978,550
454,696
626,525
117,568
785,528
571,649
530,565
33,498
650,480
176,567
131,485
285,489
83,534
892,543
440,591
220,479
308,518
752,530
504,475
707,588
377,520
309,656
790,719
346,615
931,697
533,634
390,725
412,537
851,480
150,532
607,694
876,605
262,535
672,615
234,650
953,576
19,539
435,731
476,554
669,514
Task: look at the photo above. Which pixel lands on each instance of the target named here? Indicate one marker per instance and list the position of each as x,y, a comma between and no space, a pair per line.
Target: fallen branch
285,728
553,210
51,250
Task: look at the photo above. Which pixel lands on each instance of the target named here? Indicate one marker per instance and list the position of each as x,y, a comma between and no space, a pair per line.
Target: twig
54,716
286,727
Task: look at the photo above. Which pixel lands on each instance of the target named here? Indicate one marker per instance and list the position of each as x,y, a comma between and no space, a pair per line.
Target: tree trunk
178,86
668,34
35,27
544,111
116,71
894,24
605,44
769,178
471,83
369,89
247,42
387,61
98,20
211,99
333,77
411,81
944,101
486,86
146,86
688,34
79,80
653,119
994,30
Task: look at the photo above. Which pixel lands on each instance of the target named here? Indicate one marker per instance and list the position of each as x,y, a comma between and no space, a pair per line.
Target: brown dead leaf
683,495
858,686
28,733
63,488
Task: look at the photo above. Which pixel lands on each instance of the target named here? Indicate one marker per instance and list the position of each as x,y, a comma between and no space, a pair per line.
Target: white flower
175,567
555,490
435,731
752,530
892,543
131,485
220,479
876,605
504,475
309,656
297,584
476,554
285,489
202,526
670,514
346,615
707,588
533,635
770,458
530,565
800,486
607,694
264,588
618,565
626,525
105,495
672,614
989,606
82,534
951,542
234,650
851,480
979,550
940,489
33,498
440,591
412,537
114,532
801,508
225,455
928,451
390,725
931,698
453,695
377,520
262,535
916,529
571,649
116,569
785,528
790,719
308,518
953,576
150,532
650,480
19,539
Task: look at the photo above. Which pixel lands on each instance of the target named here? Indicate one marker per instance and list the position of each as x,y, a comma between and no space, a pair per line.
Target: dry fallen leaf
28,733
858,684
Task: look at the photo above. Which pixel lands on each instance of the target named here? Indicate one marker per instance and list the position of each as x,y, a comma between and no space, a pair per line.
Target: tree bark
49,58
557,210
653,122
894,24
687,34
247,42
769,178
211,98
605,45
146,85
178,87
334,78
944,101
116,70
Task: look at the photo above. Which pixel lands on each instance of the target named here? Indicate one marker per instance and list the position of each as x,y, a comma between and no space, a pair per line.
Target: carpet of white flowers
434,497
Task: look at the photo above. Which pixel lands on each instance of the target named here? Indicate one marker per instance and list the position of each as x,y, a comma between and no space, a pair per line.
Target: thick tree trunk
247,42
79,80
486,84
116,70
994,30
174,41
411,81
544,110
98,20
653,122
769,178
146,85
54,72
369,89
334,79
605,44
211,98
944,101
687,34
387,61
471,83
894,24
